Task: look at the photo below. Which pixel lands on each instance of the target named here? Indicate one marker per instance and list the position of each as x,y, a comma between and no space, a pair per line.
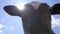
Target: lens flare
20,6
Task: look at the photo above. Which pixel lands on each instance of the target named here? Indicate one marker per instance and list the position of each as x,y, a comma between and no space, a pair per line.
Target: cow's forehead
35,4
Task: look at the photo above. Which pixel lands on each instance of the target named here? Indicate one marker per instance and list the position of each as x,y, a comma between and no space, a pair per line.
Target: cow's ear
12,10
55,9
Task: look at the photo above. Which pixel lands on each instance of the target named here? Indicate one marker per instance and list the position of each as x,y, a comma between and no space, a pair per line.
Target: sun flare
20,6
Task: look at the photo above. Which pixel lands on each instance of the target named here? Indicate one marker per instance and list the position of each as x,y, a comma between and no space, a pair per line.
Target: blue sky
13,24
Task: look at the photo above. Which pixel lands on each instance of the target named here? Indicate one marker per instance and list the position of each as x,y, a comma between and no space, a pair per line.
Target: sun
20,5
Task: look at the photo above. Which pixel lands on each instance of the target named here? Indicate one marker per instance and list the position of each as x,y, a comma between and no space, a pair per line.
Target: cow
36,16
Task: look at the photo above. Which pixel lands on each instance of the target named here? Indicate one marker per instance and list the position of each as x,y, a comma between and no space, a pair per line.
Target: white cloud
55,22
1,31
12,28
2,26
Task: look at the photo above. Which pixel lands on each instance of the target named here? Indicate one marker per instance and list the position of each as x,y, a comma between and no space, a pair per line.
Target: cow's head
33,17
